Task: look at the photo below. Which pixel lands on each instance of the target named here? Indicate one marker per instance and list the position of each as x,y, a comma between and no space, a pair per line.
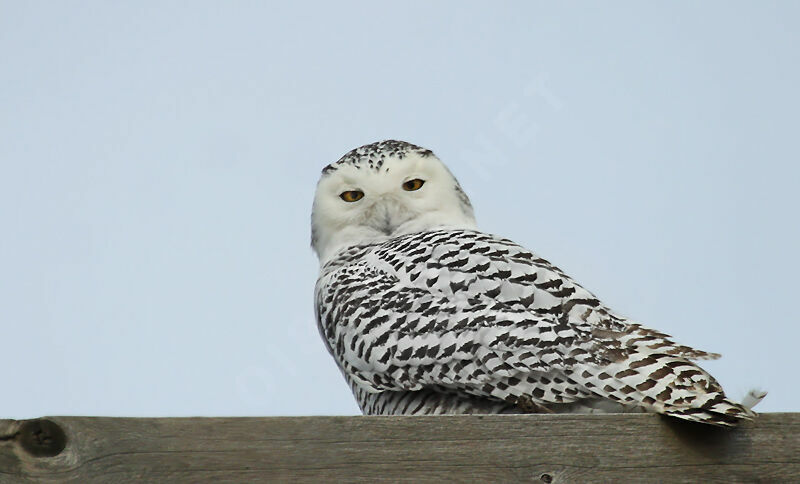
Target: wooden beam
500,448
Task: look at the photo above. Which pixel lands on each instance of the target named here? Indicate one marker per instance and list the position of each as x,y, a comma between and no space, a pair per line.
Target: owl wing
472,312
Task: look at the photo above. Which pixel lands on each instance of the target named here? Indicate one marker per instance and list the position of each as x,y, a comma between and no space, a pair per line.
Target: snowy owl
425,314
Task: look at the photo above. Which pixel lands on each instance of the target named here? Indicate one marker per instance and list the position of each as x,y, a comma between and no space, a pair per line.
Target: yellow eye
412,185
352,195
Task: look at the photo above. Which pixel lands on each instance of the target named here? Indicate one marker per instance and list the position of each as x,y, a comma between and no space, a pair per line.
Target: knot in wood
42,438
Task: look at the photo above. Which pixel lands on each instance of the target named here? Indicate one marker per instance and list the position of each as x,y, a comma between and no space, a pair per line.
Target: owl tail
720,411
669,384
752,398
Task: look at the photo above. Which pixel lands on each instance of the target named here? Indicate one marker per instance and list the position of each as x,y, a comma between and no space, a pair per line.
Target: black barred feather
459,321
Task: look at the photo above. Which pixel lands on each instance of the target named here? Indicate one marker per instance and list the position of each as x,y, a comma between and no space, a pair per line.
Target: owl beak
384,217
384,220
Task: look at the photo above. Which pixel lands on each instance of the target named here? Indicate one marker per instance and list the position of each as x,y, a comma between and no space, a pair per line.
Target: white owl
425,314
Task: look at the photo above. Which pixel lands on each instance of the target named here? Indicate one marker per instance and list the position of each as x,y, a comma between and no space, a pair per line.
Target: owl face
384,191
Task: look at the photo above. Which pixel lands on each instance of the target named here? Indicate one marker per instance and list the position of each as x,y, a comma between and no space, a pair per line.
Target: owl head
383,190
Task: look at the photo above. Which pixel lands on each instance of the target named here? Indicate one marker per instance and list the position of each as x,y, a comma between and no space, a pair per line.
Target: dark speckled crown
372,155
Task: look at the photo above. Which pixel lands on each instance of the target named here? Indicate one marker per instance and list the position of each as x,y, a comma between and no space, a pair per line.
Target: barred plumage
426,315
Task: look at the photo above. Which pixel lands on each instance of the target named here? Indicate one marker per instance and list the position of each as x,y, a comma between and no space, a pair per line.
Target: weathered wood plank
502,448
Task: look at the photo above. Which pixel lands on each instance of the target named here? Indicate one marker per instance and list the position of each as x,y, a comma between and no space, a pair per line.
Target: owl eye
352,195
412,185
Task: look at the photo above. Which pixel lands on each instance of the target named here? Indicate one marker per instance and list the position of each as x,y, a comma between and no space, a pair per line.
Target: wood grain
499,448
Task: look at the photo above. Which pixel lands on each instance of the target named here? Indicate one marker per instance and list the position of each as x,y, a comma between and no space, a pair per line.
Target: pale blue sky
158,162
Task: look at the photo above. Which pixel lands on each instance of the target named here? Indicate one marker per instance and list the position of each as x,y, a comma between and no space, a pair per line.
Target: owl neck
364,234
